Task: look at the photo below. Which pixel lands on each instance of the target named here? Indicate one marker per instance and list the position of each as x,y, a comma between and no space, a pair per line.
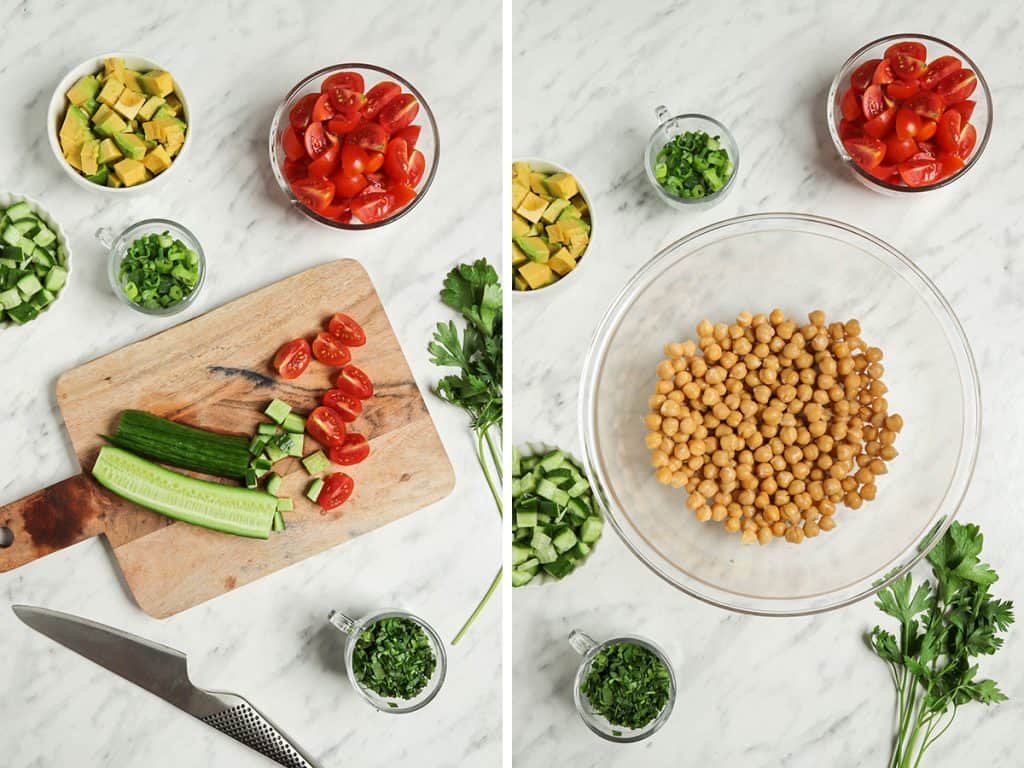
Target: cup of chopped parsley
691,160
625,688
395,660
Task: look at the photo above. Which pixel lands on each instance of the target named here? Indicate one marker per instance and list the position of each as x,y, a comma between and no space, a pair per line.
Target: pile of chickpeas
769,425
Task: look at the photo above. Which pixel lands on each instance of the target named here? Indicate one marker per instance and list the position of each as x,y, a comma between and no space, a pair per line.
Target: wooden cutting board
215,372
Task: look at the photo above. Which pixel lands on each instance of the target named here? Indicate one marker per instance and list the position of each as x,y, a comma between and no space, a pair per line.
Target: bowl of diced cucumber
35,260
119,123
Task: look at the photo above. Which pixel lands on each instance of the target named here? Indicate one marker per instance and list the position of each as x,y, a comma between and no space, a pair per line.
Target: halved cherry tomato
849,129
326,426
411,134
919,173
353,159
865,151
908,123
292,144
327,163
374,183
917,50
907,67
880,124
949,163
348,407
957,87
968,138
369,136
901,91
354,450
401,195
335,210
850,105
336,491
352,381
872,102
339,125
347,329
927,130
886,173
328,349
345,101
883,73
396,160
897,150
925,151
315,194
926,105
948,134
294,169
400,111
315,140
351,80
376,161
378,96
965,108
861,77
348,186
299,116
939,69
292,358
417,165
322,110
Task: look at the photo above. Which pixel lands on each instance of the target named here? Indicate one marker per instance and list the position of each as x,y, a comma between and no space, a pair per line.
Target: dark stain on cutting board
57,517
257,379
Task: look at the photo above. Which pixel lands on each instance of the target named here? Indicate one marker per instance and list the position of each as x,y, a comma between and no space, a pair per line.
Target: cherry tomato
883,73
369,136
315,194
348,186
328,349
927,130
321,110
917,50
949,164
374,183
919,173
353,160
897,150
878,126
907,67
396,160
872,102
335,210
887,173
401,195
901,91
865,151
299,116
948,134
400,111
292,144
339,125
939,69
348,407
295,169
850,105
376,161
411,134
326,426
378,96
965,108
351,80
292,358
347,329
352,381
926,105
417,165
336,491
849,129
957,87
315,139
861,77
345,101
908,123
354,450
327,163
371,207
968,138
925,151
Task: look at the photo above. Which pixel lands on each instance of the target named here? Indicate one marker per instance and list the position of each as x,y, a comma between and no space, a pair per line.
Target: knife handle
247,725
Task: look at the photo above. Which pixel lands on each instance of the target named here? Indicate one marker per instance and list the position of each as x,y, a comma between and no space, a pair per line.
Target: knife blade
163,671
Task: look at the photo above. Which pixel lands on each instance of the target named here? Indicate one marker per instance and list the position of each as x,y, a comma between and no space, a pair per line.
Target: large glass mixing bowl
797,262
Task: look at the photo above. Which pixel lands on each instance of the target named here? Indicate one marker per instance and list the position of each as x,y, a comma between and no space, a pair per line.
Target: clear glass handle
106,236
343,623
581,642
662,113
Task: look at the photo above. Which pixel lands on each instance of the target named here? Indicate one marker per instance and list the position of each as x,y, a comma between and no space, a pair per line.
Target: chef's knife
164,671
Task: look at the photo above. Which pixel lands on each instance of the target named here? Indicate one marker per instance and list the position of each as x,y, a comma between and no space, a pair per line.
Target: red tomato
348,186
299,116
965,108
917,50
878,126
411,134
939,69
325,426
872,102
926,105
861,77
347,329
927,130
957,87
849,129
378,96
316,140
354,450
321,110
372,207
908,123
401,196
883,73
352,381
865,151
327,163
400,111
374,183
968,138
292,358
948,134
396,160
345,101
897,150
417,165
376,161
369,136
850,105
901,91
337,488
919,173
907,67
294,169
887,173
949,164
351,80
339,125
335,210
925,151
348,407
329,350
292,144
315,194
353,159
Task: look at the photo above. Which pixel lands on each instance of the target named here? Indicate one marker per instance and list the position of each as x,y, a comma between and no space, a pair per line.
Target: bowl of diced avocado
35,259
552,221
119,123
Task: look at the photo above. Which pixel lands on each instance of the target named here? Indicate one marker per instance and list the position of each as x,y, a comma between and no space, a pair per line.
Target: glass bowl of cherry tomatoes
354,146
909,113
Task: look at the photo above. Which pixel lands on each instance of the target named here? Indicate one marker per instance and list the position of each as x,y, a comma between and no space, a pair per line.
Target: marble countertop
268,641
802,692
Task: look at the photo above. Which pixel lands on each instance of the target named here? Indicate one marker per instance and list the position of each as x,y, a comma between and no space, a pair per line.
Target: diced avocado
74,130
580,205
554,233
109,153
521,170
131,146
174,104
570,214
520,226
113,181
157,161
518,193
534,248
55,278
561,185
147,110
101,114
537,183
132,79
174,139
562,263
152,131
90,156
74,157
537,274
578,243
130,171
129,103
111,91
113,125
86,88
554,208
157,83
532,207
90,106
518,257
114,67
519,283
100,177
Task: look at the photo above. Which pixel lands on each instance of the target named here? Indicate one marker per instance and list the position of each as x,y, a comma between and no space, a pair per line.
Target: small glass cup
587,647
118,244
669,127
353,628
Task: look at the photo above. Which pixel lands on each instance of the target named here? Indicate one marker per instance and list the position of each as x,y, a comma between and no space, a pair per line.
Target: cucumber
278,410
224,508
294,423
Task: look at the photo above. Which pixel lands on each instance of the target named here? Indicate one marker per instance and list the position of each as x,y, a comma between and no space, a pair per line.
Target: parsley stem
479,606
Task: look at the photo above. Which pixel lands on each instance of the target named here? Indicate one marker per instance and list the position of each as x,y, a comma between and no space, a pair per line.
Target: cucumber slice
278,410
313,492
316,463
285,505
294,423
273,484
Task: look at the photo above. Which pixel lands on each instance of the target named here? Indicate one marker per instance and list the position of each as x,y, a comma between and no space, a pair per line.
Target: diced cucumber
44,237
285,504
19,211
553,460
313,491
56,278
559,568
10,298
22,313
294,423
257,444
521,578
27,226
515,462
262,462
278,523
581,486
275,453
520,554
273,484
298,441
526,519
29,286
250,478
11,235
591,529
263,428
278,410
564,540
316,463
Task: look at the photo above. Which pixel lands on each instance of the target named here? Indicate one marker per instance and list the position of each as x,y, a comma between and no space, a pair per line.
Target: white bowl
546,166
58,106
8,199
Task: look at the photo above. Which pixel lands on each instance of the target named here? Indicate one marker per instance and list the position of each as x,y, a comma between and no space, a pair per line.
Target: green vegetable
181,445
942,628
692,165
313,491
316,463
278,410
32,265
473,290
274,484
278,523
285,505
158,271
294,423
627,684
393,658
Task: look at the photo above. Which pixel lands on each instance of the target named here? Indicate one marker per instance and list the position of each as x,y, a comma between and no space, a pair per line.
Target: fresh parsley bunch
942,629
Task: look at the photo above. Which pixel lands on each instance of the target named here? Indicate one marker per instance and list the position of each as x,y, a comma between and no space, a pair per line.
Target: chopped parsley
693,165
393,658
627,684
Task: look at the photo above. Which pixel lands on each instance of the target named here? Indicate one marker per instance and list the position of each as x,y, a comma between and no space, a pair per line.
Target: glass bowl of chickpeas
776,380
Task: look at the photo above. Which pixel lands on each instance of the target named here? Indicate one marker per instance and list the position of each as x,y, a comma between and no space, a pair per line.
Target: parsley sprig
627,684
473,290
942,628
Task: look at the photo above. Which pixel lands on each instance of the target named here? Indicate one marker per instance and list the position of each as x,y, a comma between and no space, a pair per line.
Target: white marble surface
755,692
268,641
